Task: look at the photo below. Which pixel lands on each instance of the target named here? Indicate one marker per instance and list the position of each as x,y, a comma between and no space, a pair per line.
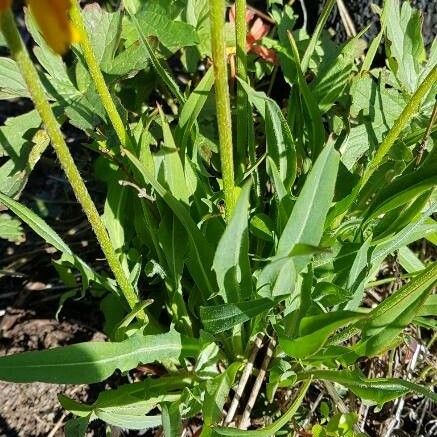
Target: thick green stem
97,76
217,17
30,75
242,101
407,114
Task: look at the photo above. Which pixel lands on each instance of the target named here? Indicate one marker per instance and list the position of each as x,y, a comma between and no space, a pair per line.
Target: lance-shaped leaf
217,391
220,318
373,390
192,108
389,319
39,226
231,260
280,143
277,278
307,220
314,331
201,257
90,362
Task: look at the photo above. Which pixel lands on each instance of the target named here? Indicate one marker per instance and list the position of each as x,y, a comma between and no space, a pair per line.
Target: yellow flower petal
5,4
54,22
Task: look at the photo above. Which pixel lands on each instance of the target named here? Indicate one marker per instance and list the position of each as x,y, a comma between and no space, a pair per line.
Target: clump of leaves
329,181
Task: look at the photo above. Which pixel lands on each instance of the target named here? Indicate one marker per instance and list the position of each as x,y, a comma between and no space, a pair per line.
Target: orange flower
5,4
258,29
54,22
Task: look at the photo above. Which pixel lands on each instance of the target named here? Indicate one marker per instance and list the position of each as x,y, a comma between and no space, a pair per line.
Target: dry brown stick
245,418
57,426
243,380
346,18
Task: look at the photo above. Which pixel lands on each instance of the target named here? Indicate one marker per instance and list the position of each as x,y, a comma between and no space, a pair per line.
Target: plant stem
316,34
409,111
97,76
217,17
242,101
30,75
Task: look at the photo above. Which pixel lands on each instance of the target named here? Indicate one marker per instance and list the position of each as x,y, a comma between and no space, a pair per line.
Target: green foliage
311,231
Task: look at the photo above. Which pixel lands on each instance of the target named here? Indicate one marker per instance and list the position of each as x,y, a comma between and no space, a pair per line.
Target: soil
33,409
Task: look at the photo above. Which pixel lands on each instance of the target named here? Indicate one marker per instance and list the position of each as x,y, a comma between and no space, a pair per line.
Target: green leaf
415,230
129,405
217,391
171,419
123,418
23,144
376,105
51,237
199,247
86,363
231,259
409,260
313,117
314,331
192,108
323,18
406,52
174,176
329,294
10,229
277,278
220,318
159,68
197,12
333,77
36,223
156,20
104,29
401,197
280,145
261,225
307,220
389,318
12,82
274,427
114,215
76,427
357,276
429,308
374,390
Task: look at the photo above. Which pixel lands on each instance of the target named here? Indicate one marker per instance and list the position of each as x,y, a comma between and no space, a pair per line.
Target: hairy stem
242,101
37,92
217,16
97,76
406,115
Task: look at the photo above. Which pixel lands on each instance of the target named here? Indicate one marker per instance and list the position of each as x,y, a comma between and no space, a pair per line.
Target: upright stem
406,115
96,74
30,75
242,101
217,17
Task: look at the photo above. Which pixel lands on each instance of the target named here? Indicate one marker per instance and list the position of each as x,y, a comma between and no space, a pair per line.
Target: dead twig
245,418
244,378
348,23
